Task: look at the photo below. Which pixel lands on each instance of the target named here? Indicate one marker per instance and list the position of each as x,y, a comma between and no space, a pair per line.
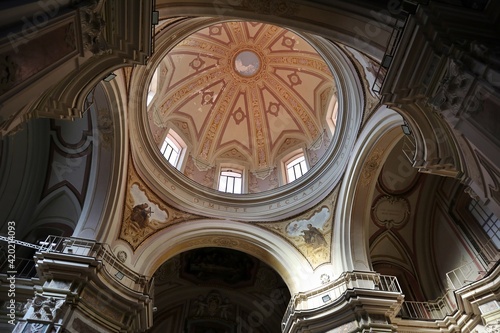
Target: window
231,181
332,114
488,221
153,86
296,167
172,149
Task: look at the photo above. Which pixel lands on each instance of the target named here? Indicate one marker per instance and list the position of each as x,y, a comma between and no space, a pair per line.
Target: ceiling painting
144,213
310,233
247,86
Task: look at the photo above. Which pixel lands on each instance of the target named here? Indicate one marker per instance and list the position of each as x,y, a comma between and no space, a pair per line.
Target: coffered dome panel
244,87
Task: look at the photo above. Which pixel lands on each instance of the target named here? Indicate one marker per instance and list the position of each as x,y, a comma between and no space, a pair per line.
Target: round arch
350,242
367,28
266,246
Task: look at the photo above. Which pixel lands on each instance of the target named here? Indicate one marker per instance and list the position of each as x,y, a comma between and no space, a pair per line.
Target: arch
367,30
394,252
436,148
350,243
258,242
60,206
102,205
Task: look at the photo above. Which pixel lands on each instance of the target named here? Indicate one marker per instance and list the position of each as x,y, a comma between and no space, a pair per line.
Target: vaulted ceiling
246,91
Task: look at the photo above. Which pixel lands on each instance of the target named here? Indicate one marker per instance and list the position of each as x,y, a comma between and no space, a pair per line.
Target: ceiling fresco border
137,225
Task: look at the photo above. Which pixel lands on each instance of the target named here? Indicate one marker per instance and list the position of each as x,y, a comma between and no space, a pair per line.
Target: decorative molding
274,7
275,204
371,167
100,304
263,173
122,256
454,87
93,25
390,211
234,154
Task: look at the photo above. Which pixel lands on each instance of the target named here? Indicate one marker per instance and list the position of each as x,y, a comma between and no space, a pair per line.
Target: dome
245,97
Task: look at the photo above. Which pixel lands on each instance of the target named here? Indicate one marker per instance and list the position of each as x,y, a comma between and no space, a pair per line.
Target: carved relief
288,144
273,179
45,308
37,328
454,87
92,29
122,256
313,157
209,178
325,278
8,68
391,211
233,154
212,305
371,166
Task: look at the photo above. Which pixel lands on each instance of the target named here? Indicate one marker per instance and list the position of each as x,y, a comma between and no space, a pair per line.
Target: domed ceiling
247,93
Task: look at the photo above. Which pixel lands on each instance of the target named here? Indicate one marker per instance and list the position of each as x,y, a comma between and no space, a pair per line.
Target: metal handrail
430,310
100,251
334,290
474,269
390,50
457,278
23,268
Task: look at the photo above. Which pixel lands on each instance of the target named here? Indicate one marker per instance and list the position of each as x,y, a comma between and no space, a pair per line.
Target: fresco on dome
311,234
310,230
144,213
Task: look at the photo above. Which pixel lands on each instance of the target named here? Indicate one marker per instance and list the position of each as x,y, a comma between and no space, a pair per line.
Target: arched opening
219,290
